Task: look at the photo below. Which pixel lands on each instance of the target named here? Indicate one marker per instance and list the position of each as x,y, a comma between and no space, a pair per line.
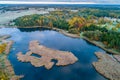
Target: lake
84,51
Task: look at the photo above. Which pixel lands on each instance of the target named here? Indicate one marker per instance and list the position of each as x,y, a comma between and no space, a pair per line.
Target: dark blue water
84,51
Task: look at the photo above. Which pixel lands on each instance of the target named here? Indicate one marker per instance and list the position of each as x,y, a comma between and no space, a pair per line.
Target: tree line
91,26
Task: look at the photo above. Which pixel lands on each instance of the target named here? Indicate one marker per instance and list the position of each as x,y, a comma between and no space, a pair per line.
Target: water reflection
32,29
81,70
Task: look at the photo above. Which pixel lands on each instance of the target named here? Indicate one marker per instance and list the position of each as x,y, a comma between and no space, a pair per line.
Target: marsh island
46,56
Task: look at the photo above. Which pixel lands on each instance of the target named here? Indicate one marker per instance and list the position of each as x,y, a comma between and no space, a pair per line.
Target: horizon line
50,2
36,2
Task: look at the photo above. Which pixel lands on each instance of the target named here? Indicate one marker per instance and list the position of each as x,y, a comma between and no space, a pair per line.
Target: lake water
84,51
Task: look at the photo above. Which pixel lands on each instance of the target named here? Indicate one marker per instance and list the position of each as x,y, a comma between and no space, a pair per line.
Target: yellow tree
50,24
118,25
40,20
77,22
2,47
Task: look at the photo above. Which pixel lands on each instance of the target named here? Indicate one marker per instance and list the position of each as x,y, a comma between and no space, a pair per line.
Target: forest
90,21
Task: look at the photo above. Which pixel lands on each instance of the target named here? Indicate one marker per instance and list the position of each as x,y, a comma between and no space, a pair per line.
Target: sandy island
46,55
108,66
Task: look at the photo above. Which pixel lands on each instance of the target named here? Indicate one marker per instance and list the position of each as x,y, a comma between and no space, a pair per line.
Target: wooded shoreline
66,33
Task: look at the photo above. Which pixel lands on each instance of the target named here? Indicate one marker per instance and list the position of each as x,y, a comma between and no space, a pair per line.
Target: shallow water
84,51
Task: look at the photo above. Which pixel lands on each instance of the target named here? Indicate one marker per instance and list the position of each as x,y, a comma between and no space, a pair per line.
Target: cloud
36,2
83,1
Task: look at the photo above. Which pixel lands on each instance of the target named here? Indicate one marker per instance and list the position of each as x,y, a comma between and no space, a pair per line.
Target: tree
2,47
118,25
77,22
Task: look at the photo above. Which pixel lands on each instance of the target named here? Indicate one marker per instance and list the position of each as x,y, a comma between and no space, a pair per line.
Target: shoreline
4,37
101,46
107,66
66,33
8,68
8,65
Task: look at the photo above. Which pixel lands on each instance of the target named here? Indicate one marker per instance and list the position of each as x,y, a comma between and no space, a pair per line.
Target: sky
61,1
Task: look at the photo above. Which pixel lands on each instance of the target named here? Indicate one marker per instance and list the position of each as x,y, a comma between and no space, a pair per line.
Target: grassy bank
6,69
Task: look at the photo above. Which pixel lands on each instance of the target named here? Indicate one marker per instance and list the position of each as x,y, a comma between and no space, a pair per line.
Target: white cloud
30,2
87,1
